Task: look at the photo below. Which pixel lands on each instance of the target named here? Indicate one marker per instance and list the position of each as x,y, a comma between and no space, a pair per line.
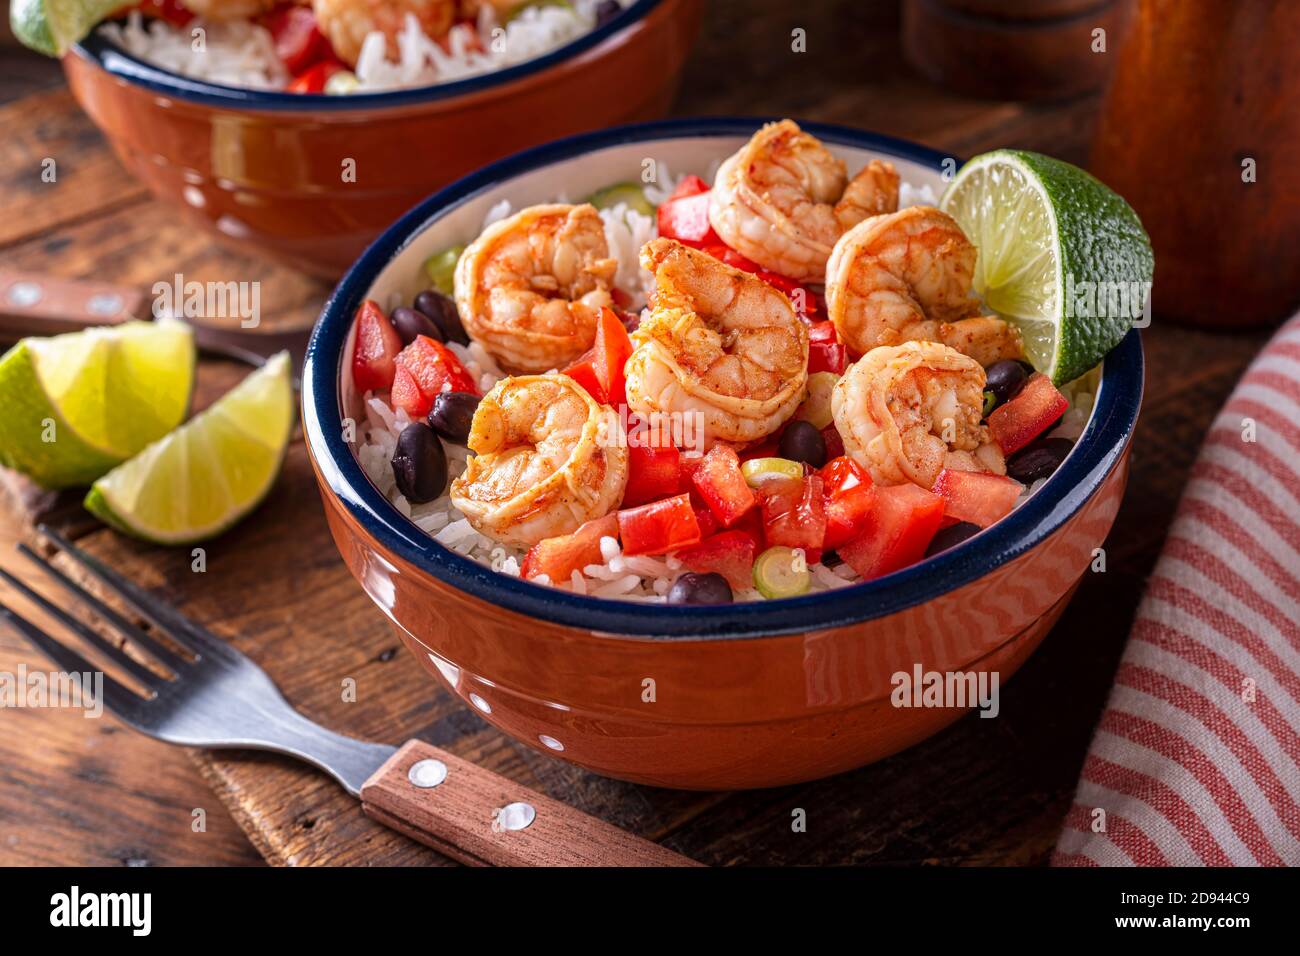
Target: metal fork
219,698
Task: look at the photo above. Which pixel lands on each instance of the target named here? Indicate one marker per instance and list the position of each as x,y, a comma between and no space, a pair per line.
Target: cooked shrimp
531,287
544,461
907,276
719,344
223,10
906,412
347,23
784,199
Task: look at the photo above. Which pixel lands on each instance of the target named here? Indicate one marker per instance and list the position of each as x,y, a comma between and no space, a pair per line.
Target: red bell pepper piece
686,219
169,10
723,488
794,514
658,527
652,473
850,496
376,348
312,79
826,353
975,496
430,368
730,554
560,556
691,185
600,369
298,42
706,519
1035,409
584,373
834,441
898,530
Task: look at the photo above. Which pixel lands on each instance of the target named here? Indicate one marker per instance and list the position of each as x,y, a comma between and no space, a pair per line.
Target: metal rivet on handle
105,303
516,816
25,293
427,773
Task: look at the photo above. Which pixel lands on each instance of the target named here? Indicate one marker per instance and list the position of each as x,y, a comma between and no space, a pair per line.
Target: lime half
216,468
75,405
1060,255
51,26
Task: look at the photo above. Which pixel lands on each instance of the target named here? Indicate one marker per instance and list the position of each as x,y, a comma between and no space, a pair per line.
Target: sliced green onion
816,408
782,572
629,193
759,470
535,3
990,402
441,269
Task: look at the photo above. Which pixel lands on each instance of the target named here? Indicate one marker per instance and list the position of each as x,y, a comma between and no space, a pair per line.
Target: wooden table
79,791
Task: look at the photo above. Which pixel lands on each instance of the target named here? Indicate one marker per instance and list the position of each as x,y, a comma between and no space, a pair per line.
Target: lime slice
629,193
440,268
1060,255
213,470
76,405
51,26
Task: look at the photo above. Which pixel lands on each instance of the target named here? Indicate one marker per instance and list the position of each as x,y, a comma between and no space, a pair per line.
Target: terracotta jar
1201,134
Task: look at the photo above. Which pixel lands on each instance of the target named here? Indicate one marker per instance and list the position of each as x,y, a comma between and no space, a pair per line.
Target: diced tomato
689,186
298,42
707,521
850,496
600,369
377,345
722,486
730,554
834,442
975,496
584,373
652,473
826,353
686,219
312,79
1035,408
560,556
169,10
658,527
794,514
432,368
898,530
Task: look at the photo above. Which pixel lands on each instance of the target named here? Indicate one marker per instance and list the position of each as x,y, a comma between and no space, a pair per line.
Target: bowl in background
723,697
264,170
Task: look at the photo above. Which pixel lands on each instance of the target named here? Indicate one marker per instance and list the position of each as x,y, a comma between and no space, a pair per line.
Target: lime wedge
51,26
1060,255
213,470
75,405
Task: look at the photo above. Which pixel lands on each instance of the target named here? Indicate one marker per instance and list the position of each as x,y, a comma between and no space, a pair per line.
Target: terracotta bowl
264,170
747,695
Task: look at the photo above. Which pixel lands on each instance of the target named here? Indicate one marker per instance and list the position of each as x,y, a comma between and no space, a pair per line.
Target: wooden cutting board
981,792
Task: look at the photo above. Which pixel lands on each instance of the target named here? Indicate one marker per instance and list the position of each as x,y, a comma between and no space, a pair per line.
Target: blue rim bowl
1096,454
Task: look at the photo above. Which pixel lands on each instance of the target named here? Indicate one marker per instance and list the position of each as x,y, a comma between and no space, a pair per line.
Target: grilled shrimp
906,412
907,276
347,23
531,287
718,343
544,461
783,200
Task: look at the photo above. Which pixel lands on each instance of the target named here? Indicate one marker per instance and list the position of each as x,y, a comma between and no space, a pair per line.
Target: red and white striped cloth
1196,760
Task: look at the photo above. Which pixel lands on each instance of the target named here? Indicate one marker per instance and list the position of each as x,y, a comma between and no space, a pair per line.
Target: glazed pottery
745,695
311,179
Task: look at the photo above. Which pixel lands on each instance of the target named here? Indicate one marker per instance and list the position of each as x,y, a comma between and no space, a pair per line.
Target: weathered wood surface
981,792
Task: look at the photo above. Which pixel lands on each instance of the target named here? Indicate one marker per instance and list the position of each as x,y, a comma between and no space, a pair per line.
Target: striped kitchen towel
1196,760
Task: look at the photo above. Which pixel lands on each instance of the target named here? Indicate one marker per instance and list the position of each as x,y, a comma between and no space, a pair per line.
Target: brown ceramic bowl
263,170
745,695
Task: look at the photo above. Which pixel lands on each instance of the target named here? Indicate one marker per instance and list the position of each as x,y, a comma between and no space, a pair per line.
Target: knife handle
475,816
32,303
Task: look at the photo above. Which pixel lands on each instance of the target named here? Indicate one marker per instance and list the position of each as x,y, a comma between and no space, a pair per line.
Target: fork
213,696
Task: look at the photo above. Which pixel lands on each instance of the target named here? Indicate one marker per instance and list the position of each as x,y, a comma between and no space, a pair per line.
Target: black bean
607,10
945,538
410,323
692,588
803,441
419,464
453,414
1005,379
1038,460
442,310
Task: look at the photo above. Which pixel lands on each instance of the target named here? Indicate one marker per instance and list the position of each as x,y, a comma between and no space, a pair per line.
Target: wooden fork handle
32,303
474,816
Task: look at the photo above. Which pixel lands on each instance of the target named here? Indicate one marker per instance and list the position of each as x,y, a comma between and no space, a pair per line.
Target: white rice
629,577
241,53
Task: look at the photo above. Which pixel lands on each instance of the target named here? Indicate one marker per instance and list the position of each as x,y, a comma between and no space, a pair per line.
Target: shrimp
544,462
531,287
908,276
783,200
906,412
718,344
347,23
